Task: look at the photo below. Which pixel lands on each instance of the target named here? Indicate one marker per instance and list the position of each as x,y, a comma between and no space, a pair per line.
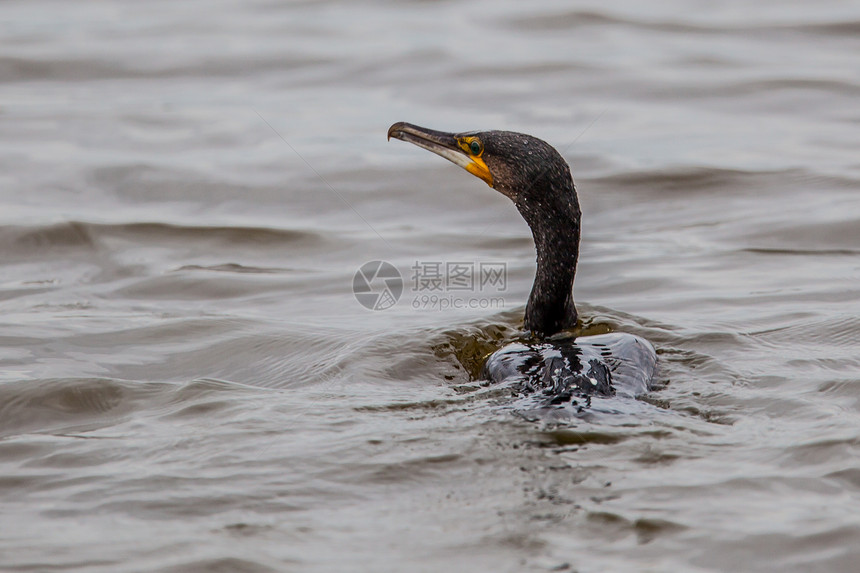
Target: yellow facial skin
476,167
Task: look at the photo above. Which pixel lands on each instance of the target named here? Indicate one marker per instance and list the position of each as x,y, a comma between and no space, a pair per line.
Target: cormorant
551,369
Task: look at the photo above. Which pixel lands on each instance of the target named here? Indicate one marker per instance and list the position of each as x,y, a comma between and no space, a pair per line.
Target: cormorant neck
552,212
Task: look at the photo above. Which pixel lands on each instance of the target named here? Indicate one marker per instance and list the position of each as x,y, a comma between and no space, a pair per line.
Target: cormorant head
538,180
515,164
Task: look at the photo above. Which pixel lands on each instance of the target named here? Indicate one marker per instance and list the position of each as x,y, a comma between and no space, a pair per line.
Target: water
188,384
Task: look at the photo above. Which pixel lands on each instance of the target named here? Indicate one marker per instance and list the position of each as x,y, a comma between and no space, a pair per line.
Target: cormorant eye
475,147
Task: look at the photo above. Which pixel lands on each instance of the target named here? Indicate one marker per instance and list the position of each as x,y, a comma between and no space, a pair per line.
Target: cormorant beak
453,147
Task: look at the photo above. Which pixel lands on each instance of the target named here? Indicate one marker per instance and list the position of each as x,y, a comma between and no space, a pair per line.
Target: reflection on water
189,384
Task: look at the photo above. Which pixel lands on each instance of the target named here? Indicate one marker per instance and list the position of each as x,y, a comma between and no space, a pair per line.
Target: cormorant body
550,370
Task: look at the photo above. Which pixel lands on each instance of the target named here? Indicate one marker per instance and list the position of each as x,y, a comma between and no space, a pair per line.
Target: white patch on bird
548,352
593,381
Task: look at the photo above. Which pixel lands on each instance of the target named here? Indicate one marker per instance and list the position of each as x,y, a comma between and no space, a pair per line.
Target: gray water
187,382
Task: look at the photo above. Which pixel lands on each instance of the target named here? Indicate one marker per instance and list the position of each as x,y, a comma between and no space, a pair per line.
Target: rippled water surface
187,382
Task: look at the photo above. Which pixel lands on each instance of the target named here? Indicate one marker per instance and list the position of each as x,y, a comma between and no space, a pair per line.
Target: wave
84,236
727,181
74,405
574,19
20,69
